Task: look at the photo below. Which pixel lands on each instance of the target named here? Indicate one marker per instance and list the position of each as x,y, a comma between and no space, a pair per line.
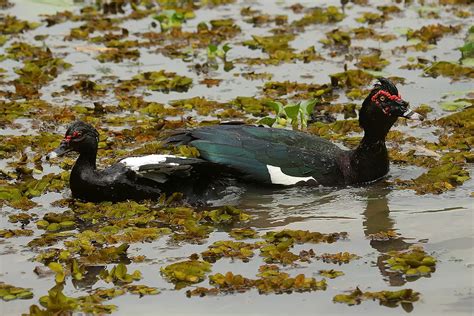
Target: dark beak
61,150
409,113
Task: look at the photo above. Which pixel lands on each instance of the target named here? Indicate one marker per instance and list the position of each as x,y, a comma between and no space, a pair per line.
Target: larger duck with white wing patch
283,157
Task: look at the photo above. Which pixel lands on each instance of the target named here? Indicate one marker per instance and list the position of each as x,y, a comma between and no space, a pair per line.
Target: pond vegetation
138,69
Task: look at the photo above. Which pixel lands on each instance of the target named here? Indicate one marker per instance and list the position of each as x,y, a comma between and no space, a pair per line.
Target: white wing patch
135,163
278,177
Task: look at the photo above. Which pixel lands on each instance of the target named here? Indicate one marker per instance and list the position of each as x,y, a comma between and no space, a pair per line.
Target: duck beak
406,112
412,115
61,150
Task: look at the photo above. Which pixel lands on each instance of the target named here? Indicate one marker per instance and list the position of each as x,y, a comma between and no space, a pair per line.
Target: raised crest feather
387,85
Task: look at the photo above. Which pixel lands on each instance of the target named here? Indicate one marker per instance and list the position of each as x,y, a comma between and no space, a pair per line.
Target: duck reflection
90,278
377,219
277,208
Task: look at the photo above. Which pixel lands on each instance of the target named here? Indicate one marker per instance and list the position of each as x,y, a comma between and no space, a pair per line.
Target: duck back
266,155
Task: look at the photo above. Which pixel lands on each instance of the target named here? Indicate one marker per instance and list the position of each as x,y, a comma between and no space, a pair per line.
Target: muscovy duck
230,153
135,178
284,157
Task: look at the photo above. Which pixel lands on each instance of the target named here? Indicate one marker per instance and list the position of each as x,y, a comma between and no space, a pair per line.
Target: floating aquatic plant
296,115
118,274
186,272
403,297
331,274
9,292
414,262
44,90
270,280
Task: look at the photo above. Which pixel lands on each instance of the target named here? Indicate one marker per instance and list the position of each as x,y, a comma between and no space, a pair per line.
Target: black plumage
232,154
134,178
267,155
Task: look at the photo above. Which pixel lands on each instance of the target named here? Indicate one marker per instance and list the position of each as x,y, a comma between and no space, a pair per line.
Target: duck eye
382,98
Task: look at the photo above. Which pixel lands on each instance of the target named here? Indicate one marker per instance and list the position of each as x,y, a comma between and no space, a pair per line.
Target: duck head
382,107
80,137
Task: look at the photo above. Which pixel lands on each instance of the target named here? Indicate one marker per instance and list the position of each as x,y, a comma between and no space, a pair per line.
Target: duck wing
162,168
266,155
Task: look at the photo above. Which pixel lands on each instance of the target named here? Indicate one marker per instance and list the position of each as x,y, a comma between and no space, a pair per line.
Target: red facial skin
74,135
385,109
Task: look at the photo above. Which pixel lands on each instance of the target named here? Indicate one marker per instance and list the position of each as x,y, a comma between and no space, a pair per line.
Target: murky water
443,224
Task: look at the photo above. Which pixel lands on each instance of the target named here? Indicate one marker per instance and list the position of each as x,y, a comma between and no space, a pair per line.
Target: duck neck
369,161
86,161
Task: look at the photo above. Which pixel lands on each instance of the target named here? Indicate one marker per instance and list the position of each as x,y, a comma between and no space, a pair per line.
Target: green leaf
452,106
267,121
177,17
120,271
292,111
226,47
276,106
423,270
428,261
212,48
411,272
59,270
55,267
160,18
331,273
228,66
307,107
75,270
467,50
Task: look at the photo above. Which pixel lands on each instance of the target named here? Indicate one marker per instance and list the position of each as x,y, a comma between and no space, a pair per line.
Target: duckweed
118,274
432,33
9,292
186,272
9,233
412,263
229,249
12,25
351,78
141,290
43,91
403,297
449,69
158,81
331,274
330,14
339,258
243,233
271,281
56,302
303,236
225,215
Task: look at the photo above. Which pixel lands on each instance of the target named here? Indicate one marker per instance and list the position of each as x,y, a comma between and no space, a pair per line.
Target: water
443,224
